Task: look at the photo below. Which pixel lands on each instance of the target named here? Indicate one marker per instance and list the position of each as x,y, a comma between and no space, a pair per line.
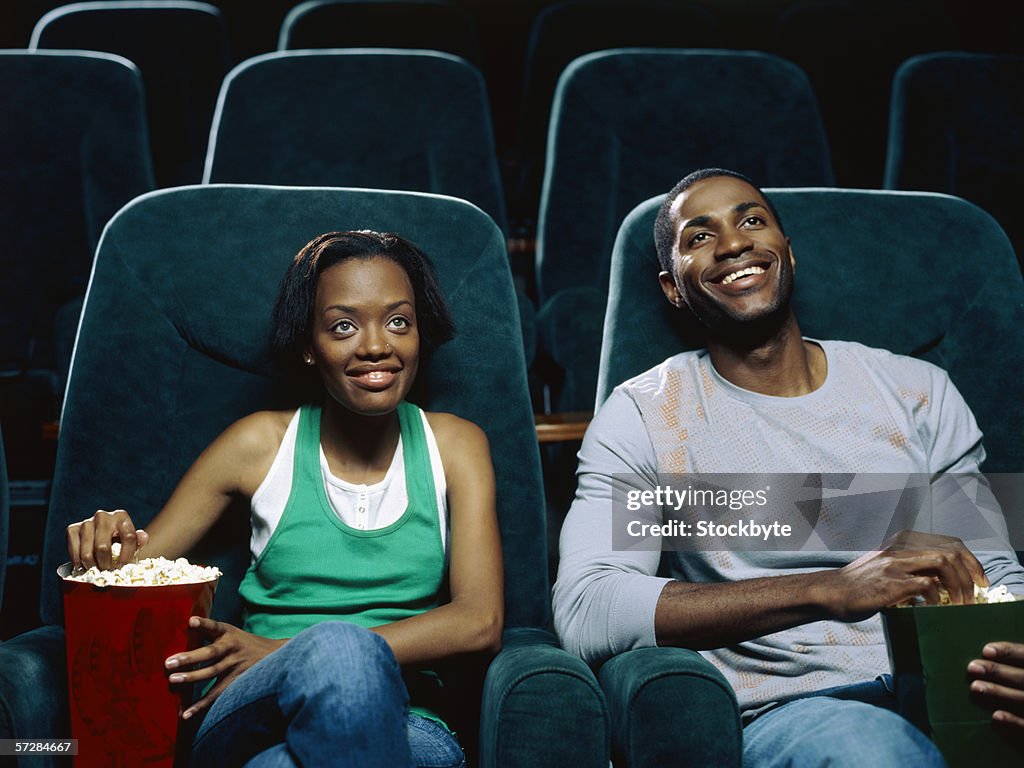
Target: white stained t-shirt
360,506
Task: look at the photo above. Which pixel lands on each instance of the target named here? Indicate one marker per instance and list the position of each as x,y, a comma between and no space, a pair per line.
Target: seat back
181,49
876,267
190,275
563,31
5,516
73,149
939,141
627,123
437,25
377,118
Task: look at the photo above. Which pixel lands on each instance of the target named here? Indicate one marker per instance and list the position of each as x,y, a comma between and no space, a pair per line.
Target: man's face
732,265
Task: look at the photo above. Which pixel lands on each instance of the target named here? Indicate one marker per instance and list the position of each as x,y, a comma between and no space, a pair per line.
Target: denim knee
345,661
820,731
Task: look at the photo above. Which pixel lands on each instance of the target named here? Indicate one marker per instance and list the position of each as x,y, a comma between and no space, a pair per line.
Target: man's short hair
664,227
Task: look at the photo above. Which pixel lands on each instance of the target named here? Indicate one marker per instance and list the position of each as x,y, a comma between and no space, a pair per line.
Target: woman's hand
231,652
998,681
90,541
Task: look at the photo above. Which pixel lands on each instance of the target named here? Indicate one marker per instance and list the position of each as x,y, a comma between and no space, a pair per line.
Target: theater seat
73,149
856,253
955,127
627,124
191,274
437,25
181,50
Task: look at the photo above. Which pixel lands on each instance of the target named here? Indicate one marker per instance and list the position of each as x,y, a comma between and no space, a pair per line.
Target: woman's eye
343,326
399,322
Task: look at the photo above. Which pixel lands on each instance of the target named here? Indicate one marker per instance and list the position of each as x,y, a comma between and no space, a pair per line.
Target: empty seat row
821,36
370,118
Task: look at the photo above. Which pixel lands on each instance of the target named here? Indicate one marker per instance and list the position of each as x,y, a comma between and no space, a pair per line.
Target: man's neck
784,365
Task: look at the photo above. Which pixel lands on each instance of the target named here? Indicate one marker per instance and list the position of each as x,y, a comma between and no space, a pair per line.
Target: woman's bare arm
473,620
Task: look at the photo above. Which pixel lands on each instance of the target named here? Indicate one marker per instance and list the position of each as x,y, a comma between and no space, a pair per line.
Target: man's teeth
742,273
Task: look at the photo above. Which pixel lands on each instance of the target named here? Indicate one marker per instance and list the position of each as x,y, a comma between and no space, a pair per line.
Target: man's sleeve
604,600
956,456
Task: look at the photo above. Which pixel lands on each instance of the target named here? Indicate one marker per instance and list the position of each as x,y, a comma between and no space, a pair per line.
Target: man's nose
733,242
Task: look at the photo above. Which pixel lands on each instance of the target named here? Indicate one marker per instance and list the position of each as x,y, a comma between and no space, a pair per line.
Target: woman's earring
308,359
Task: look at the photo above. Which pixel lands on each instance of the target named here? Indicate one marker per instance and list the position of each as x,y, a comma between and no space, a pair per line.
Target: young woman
375,546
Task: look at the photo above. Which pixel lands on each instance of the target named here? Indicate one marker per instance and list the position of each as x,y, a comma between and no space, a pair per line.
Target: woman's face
364,339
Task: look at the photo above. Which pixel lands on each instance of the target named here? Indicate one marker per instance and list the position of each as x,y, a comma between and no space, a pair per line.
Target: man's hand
231,653
998,681
910,564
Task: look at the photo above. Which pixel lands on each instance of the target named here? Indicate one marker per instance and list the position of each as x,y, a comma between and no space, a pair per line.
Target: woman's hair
291,322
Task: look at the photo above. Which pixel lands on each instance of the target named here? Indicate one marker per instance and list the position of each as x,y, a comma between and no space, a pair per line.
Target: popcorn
148,572
998,594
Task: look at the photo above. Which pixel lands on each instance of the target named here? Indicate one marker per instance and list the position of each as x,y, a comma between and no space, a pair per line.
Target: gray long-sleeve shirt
876,413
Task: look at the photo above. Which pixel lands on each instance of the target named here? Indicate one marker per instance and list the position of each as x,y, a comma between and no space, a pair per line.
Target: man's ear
670,289
792,258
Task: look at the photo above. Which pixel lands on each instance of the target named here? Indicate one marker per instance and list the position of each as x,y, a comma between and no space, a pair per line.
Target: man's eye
753,220
700,237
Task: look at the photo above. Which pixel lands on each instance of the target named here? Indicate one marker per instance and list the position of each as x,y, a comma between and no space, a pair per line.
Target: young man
783,626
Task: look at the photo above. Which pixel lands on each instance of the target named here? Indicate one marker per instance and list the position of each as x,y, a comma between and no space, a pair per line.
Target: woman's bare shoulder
455,434
259,434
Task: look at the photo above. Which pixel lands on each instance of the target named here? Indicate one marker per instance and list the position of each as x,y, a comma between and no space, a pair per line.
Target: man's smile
741,276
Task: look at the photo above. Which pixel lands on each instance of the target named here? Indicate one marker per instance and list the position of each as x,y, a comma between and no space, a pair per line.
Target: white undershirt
361,506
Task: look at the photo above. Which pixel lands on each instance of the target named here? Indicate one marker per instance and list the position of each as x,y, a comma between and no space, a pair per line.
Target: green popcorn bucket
930,647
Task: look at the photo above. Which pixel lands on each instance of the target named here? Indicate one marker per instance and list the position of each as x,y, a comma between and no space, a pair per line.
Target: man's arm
604,600
607,601
703,616
963,503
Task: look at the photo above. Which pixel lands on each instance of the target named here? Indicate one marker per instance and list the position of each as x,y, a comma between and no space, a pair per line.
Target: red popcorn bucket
124,712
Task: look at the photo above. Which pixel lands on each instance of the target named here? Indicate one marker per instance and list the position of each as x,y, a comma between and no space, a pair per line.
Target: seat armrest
541,707
670,706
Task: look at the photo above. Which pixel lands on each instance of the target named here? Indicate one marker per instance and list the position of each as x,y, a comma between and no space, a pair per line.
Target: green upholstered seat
181,49
563,31
438,25
73,149
627,124
887,269
375,118
5,516
190,275
955,127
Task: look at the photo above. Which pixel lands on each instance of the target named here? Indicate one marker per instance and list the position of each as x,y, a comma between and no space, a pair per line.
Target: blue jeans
331,696
853,725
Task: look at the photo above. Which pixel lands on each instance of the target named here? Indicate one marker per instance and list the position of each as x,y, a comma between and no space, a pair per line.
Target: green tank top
316,568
